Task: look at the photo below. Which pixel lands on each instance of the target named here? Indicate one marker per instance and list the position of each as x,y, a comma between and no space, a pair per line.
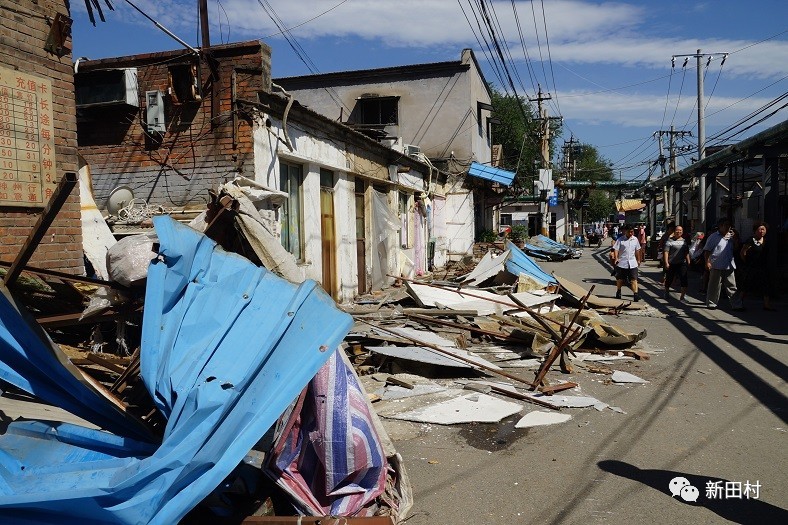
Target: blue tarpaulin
498,175
518,262
226,347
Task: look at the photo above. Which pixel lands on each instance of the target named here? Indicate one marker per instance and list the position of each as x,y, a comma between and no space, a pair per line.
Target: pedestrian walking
719,252
627,256
754,253
661,247
676,261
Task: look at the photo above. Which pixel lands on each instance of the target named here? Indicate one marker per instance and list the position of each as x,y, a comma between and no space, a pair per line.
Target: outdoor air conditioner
106,87
411,151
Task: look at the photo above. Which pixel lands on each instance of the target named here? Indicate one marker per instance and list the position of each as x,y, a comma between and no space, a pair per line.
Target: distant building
354,211
436,111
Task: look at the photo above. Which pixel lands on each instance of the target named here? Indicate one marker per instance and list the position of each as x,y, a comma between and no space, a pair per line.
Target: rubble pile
204,380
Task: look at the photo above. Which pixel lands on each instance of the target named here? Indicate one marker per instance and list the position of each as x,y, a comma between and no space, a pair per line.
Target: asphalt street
713,413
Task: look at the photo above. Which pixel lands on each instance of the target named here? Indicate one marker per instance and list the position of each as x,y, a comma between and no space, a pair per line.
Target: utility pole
544,136
569,165
202,6
672,162
702,126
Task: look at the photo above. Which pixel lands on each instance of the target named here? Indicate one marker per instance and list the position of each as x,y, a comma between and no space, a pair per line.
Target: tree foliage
589,165
518,135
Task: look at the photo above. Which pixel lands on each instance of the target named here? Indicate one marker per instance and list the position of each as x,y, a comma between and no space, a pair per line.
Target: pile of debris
436,340
214,409
206,381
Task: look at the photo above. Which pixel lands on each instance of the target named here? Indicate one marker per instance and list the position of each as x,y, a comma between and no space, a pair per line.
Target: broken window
291,180
378,111
183,83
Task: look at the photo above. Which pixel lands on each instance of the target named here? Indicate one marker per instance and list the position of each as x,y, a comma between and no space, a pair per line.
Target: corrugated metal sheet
498,175
518,262
226,347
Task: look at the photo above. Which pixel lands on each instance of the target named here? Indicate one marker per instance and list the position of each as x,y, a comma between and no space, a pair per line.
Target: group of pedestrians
719,261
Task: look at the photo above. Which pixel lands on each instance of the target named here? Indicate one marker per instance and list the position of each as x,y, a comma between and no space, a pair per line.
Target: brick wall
178,168
23,34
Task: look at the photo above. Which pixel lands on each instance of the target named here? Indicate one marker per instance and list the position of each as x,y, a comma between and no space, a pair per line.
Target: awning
630,205
492,174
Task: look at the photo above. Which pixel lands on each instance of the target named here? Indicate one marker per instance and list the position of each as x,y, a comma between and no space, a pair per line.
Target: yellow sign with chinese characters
27,140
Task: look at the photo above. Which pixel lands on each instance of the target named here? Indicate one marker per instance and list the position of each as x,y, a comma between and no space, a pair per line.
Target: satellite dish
118,199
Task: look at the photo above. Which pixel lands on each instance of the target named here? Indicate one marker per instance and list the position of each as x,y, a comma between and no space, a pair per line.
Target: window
506,219
404,224
378,110
290,180
326,179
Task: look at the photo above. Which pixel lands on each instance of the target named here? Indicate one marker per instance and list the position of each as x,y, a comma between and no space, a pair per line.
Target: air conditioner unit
106,87
411,151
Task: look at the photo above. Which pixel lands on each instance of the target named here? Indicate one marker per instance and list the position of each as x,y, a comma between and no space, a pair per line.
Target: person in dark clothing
754,253
676,261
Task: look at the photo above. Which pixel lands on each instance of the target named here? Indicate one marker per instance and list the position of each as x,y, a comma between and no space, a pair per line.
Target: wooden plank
105,363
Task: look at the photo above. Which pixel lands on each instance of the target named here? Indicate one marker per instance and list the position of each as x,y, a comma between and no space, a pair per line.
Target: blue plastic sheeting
492,174
30,361
518,262
226,347
547,241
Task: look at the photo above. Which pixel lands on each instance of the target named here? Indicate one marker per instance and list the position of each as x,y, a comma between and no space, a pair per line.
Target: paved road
714,410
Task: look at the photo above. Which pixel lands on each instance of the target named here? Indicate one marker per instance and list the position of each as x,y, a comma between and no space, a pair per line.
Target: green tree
591,166
518,134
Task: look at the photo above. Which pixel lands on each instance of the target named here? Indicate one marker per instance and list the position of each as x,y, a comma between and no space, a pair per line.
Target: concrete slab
468,408
537,418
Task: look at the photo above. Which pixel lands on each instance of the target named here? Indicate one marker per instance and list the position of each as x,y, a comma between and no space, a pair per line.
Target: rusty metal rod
512,306
568,337
453,356
465,327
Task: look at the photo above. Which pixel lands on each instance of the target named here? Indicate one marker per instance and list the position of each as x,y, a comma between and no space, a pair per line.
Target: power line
307,21
550,59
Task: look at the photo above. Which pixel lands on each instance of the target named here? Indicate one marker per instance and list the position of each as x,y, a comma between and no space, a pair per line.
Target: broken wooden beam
67,277
453,356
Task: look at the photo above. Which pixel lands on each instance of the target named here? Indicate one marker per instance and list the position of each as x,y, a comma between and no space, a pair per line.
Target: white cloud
580,32
647,110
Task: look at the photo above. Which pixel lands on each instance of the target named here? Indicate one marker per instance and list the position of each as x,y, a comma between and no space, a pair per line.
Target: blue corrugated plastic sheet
483,171
518,262
226,347
29,361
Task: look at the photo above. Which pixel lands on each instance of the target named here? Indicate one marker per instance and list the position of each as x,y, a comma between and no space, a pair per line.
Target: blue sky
607,65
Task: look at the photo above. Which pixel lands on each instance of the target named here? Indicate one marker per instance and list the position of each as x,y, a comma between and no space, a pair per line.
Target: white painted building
354,216
437,111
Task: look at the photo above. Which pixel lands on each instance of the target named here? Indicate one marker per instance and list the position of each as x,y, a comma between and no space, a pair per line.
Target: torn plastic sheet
226,347
518,262
329,457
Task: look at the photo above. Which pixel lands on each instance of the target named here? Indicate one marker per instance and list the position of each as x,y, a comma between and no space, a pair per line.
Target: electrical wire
681,89
528,63
221,33
306,21
550,60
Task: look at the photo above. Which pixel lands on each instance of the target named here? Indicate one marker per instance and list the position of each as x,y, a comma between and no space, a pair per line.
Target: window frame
289,173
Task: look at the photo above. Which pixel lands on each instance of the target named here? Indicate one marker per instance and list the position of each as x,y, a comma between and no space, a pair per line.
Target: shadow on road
733,509
702,328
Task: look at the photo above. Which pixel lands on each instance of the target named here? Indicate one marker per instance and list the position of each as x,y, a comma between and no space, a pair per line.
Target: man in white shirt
627,254
719,252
